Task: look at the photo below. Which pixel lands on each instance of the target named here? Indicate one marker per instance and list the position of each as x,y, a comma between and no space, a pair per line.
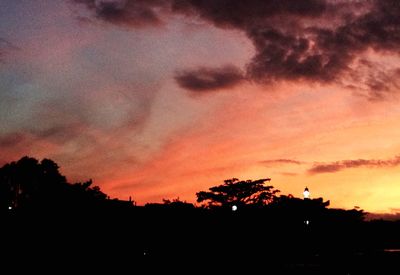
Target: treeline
29,184
239,219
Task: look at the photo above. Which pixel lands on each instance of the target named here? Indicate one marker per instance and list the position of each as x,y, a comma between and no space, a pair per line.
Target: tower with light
306,193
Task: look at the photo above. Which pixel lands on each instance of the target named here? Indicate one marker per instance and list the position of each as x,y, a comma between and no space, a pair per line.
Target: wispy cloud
271,162
290,174
209,79
337,166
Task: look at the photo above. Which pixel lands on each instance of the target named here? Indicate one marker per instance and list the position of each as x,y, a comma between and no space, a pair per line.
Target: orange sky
164,106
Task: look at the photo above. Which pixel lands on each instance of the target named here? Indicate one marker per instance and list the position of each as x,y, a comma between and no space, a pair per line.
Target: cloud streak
280,161
209,79
337,166
289,174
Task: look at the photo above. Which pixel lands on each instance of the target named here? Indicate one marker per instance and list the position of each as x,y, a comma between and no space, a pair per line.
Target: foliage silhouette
177,204
29,184
290,234
238,193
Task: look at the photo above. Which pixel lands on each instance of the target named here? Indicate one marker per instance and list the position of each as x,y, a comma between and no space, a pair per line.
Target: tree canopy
29,183
238,193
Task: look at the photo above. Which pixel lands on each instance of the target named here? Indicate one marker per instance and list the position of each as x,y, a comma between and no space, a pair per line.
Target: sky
159,99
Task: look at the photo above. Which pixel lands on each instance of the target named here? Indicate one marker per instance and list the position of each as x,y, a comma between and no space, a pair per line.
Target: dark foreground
195,241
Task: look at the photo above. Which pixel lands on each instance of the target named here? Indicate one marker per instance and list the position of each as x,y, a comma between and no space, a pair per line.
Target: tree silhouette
29,184
177,204
238,193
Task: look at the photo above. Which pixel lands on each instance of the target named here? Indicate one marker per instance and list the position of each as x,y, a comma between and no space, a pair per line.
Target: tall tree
28,183
238,193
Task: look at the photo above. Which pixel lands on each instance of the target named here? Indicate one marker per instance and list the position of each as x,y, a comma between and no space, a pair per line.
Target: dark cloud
285,56
128,13
280,161
234,13
311,40
247,14
345,164
309,49
208,79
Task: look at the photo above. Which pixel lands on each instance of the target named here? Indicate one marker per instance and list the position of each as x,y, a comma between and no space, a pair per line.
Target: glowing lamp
306,193
234,207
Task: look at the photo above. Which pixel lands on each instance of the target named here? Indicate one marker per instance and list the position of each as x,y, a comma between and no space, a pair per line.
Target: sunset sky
164,98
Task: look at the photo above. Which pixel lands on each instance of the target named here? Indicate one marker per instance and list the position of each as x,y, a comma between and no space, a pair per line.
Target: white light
9,208
234,207
306,193
307,222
